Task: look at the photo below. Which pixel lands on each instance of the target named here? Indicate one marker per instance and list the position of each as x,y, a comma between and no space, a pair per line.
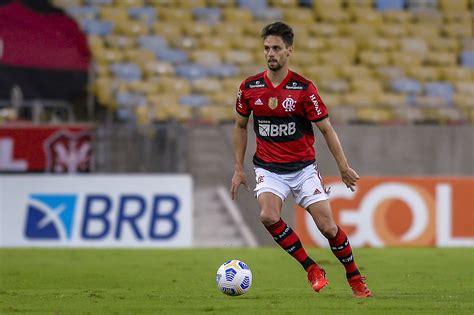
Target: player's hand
238,179
349,177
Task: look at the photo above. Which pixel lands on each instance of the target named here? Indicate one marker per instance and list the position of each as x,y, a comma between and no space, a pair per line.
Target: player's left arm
348,175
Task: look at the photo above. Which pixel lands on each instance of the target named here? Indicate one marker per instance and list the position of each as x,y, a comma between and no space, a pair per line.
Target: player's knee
328,230
268,217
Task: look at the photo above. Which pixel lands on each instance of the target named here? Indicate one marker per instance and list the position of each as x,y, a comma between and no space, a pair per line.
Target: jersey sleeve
313,104
241,104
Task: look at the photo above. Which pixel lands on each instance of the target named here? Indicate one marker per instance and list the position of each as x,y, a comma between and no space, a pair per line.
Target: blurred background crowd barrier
149,87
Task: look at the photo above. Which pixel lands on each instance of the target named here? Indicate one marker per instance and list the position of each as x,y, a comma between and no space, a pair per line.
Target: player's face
276,52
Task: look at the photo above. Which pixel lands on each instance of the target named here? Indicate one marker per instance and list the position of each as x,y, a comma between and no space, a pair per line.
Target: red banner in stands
57,149
41,40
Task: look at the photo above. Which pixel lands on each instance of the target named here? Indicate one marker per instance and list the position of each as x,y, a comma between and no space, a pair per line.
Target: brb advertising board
96,211
399,211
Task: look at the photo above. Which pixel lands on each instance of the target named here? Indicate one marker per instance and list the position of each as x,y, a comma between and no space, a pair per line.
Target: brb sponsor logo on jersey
268,129
70,217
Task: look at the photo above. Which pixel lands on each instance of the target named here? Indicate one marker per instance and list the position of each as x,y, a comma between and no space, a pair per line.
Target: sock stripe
341,246
283,234
293,247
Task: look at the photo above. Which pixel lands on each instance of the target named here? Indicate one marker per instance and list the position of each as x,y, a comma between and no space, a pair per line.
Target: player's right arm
240,146
243,111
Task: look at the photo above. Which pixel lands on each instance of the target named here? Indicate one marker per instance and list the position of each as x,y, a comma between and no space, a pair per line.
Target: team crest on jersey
273,102
289,104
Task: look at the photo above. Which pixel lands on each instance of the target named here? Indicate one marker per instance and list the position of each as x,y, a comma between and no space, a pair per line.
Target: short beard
275,68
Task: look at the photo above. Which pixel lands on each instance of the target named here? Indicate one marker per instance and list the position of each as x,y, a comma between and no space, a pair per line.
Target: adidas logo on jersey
258,102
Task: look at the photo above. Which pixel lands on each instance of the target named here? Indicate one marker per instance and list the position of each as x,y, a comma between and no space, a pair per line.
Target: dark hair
279,29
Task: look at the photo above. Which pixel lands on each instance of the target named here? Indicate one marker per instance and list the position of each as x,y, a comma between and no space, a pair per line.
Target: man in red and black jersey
285,105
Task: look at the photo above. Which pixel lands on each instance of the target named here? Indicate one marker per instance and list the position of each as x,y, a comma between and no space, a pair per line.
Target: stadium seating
376,61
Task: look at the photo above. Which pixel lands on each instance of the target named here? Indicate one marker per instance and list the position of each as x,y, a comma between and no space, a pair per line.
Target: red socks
290,242
342,250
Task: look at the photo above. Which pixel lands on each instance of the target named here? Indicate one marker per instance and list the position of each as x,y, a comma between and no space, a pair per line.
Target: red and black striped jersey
282,117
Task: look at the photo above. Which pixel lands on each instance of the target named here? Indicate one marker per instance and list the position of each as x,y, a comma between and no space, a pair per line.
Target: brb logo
266,129
400,211
132,217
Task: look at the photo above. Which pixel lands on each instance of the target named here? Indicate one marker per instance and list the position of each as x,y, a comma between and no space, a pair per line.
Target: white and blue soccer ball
234,277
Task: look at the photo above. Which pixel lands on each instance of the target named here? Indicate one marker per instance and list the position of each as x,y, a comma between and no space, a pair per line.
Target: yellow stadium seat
372,87
162,3
356,72
95,42
303,58
113,13
132,28
253,44
216,114
465,87
458,17
367,16
238,57
298,15
336,57
206,86
426,31
424,73
221,3
182,113
345,44
158,69
167,30
231,85
373,59
444,44
205,57
140,56
350,4
453,5
324,29
196,29
455,73
283,3
146,87
120,41
375,115
429,17
339,86
175,15
101,69
129,3
220,45
400,17
191,4
415,46
237,15
382,44
405,60
253,28
458,30
441,59
223,98
463,101
391,100
109,55
359,99
228,29
313,44
467,43
430,101
171,85
393,30
450,115
188,43
333,16
103,90
250,69
361,33
321,73
388,73
67,3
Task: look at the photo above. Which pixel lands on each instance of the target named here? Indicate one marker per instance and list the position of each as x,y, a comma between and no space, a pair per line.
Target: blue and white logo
50,217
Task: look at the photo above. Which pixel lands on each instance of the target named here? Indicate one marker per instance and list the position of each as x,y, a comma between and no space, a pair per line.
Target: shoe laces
316,273
358,283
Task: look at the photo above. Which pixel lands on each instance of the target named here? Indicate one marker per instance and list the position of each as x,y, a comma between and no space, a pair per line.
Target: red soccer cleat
358,286
316,277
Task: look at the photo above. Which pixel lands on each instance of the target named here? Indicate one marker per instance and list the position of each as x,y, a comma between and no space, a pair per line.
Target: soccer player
284,106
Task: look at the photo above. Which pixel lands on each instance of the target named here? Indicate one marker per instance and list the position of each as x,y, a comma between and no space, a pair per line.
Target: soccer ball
234,277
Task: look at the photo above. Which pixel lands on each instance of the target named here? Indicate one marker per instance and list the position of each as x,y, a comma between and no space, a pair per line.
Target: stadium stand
382,61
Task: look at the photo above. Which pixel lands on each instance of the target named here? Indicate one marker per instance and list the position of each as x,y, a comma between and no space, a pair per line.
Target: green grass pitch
182,281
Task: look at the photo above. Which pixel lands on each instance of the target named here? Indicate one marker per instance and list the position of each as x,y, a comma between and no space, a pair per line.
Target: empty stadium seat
442,89
467,58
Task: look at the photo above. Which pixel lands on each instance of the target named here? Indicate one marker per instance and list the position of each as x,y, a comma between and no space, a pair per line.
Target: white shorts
306,185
